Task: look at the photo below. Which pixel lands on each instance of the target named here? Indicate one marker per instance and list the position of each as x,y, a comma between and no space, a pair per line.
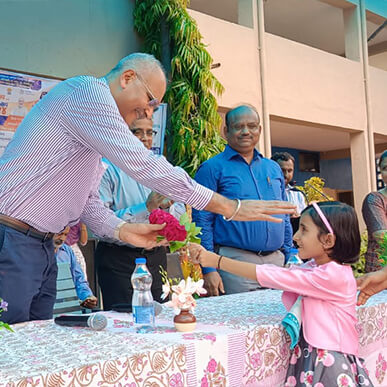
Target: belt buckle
46,236
259,252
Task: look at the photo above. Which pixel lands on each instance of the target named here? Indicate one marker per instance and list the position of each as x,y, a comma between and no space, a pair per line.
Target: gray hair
136,61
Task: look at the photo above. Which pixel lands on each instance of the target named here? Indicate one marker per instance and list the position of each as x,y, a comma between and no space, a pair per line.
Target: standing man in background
241,172
131,202
286,162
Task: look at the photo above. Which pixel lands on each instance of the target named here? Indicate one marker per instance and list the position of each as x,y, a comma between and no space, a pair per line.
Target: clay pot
185,321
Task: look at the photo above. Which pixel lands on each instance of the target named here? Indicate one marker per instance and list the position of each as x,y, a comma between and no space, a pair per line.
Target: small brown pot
185,321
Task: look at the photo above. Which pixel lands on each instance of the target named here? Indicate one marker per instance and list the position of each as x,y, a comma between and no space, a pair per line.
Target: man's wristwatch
116,233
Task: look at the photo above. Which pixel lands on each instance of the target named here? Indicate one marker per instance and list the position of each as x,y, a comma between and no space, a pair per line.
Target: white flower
166,291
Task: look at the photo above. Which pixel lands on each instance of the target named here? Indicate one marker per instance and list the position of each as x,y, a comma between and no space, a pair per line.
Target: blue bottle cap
140,261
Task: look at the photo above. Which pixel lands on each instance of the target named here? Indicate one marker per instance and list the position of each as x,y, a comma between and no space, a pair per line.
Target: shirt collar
232,153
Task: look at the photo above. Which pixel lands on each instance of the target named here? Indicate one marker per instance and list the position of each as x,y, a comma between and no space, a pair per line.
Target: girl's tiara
323,217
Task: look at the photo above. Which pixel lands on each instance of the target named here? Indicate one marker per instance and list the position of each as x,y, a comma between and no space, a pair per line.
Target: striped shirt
50,171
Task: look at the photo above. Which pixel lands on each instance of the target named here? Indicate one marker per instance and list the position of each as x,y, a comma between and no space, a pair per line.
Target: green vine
193,129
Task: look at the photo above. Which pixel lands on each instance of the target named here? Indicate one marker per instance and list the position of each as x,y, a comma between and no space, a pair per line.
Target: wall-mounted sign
18,94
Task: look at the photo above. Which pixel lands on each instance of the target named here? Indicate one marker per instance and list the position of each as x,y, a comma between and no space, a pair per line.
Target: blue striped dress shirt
50,171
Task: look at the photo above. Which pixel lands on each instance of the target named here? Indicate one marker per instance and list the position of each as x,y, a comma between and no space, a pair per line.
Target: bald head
137,84
243,130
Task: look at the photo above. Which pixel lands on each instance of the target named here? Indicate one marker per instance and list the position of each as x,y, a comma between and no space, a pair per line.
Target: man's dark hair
232,111
283,156
343,220
382,157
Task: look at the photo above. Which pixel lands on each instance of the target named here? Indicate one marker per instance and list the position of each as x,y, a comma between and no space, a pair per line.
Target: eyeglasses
141,132
251,127
153,101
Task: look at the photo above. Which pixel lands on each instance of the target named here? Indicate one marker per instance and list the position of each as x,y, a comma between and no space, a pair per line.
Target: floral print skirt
312,367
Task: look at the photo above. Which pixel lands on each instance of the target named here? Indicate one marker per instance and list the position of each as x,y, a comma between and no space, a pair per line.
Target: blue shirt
66,254
229,174
127,198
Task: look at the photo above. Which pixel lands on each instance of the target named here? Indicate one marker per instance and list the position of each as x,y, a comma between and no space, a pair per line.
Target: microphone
95,321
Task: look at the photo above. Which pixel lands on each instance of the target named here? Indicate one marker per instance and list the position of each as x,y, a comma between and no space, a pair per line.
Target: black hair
382,157
343,220
283,156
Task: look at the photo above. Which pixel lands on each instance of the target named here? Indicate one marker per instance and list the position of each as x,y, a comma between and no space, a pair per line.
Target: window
309,162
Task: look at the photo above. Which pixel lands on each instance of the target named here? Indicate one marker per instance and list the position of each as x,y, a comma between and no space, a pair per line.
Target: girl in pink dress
325,350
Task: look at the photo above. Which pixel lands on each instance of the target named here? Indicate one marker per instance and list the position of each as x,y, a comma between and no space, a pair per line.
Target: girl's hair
345,225
382,157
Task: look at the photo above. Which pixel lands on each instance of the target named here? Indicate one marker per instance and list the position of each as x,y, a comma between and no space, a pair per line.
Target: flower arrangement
183,292
177,233
314,190
3,308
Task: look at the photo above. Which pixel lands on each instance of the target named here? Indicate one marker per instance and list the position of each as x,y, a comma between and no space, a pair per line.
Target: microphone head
97,321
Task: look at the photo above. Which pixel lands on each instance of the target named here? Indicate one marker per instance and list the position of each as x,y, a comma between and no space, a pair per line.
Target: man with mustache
241,172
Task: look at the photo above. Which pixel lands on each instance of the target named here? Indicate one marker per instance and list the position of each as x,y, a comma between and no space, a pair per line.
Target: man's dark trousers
115,265
31,263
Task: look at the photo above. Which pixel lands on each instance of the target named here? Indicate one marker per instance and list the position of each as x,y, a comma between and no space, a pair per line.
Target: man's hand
263,209
371,284
156,200
89,302
250,209
142,235
213,283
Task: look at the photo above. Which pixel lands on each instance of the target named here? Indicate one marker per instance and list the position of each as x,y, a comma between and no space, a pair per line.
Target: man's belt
265,253
25,228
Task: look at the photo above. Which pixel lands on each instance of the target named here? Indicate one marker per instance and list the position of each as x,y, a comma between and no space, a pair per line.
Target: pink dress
326,354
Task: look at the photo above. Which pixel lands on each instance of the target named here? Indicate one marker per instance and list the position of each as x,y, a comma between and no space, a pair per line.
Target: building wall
65,38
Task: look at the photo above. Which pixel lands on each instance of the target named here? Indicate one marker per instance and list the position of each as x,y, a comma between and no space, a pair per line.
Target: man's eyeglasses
141,133
153,101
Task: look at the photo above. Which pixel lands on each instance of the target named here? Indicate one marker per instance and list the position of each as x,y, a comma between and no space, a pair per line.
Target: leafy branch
193,131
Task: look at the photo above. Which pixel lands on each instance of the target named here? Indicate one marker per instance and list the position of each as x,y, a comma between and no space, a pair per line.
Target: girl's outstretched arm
198,254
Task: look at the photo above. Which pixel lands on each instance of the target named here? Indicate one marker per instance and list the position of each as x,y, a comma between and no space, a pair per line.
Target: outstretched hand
142,235
263,209
371,284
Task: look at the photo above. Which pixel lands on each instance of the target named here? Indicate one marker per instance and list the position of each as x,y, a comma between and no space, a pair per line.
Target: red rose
173,231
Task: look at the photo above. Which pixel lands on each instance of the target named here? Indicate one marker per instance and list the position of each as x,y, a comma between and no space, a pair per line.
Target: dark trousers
115,265
28,274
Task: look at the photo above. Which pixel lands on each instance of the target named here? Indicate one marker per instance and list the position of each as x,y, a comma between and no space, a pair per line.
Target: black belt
25,228
261,253
264,253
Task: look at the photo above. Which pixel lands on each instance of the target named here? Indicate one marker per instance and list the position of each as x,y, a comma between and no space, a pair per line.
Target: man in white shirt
286,162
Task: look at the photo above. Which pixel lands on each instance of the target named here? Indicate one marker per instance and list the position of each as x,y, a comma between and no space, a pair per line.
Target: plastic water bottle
142,301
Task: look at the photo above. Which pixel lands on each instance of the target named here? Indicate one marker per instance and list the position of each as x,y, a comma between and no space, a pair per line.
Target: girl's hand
198,254
194,252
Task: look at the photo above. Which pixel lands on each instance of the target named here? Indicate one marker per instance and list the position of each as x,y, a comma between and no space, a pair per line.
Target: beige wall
232,45
378,88
312,85
378,60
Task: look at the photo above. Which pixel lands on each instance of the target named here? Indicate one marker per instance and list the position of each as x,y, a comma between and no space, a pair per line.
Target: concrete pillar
361,176
245,13
259,32
352,32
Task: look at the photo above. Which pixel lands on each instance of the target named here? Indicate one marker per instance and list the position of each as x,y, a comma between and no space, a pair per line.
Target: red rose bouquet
177,233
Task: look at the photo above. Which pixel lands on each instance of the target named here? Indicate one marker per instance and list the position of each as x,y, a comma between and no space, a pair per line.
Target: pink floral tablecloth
238,342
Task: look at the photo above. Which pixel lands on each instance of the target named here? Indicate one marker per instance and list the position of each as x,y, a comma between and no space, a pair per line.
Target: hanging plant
193,135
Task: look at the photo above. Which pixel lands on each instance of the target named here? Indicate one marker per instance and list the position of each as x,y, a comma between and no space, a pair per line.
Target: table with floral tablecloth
238,341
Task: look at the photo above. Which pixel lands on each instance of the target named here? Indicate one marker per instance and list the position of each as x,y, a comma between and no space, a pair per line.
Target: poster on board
18,94
159,124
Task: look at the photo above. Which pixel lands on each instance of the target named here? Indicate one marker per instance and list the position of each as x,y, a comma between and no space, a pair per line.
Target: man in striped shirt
50,171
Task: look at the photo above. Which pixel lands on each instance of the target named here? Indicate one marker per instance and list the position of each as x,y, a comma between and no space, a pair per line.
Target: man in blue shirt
132,202
241,172
64,253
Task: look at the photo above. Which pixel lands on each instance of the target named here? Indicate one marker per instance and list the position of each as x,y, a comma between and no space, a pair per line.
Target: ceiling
289,134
